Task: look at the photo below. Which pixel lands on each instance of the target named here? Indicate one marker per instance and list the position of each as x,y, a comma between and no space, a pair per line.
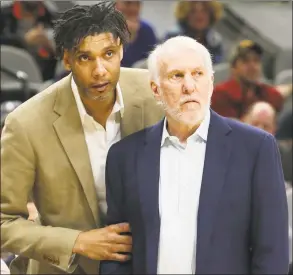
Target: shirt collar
118,106
201,132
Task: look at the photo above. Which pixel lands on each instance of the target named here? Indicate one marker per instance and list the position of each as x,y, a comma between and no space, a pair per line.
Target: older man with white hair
262,115
203,194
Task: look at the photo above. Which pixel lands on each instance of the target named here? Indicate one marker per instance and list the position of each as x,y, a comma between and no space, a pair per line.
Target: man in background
262,115
28,25
233,97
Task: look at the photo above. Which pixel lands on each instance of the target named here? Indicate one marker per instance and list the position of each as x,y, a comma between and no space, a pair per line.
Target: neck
181,130
99,110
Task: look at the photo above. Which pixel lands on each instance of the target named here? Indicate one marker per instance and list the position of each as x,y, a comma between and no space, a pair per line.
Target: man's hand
36,36
105,243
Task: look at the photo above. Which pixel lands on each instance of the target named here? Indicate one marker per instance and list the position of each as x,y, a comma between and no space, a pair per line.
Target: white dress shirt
4,268
99,140
181,169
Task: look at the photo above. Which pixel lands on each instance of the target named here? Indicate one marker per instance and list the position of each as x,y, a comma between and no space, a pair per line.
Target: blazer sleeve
115,211
20,236
270,234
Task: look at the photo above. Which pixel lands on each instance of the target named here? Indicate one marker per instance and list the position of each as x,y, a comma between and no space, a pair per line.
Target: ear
121,52
66,60
155,90
212,85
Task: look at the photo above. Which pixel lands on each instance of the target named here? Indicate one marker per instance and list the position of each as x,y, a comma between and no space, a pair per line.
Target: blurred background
250,43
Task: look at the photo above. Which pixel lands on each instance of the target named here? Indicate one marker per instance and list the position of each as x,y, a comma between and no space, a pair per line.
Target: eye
177,76
83,57
197,73
109,53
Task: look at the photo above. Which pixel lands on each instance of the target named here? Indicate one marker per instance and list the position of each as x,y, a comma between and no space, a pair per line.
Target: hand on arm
105,244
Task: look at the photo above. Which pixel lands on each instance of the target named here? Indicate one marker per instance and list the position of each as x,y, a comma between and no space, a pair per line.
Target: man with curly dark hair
54,147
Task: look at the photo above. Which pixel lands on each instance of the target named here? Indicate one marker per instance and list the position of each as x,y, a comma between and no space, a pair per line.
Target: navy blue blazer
243,213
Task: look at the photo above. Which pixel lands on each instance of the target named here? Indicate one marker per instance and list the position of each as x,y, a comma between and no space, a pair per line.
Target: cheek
172,98
113,66
205,91
81,75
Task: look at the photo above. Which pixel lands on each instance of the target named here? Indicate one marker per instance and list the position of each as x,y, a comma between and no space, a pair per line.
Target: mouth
100,87
190,101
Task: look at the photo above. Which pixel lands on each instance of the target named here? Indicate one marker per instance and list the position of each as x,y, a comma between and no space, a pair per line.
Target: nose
99,69
188,84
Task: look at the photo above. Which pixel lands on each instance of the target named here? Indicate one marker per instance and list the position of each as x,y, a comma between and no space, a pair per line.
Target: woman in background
196,19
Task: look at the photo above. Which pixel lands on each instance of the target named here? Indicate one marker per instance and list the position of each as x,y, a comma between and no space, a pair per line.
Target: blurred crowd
244,95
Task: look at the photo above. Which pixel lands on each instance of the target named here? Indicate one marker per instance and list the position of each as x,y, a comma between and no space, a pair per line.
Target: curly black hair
81,21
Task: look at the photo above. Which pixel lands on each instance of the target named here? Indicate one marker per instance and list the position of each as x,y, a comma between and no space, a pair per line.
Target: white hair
178,43
262,106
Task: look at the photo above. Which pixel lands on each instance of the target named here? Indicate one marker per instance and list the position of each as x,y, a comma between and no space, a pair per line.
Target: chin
98,96
190,118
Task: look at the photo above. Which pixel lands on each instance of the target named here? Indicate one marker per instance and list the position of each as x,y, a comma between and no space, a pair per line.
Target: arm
269,236
18,235
115,201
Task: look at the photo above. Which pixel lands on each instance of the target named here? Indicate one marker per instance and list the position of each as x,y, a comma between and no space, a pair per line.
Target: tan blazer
43,150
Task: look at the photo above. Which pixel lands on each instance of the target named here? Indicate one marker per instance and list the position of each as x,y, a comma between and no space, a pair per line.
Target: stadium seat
15,59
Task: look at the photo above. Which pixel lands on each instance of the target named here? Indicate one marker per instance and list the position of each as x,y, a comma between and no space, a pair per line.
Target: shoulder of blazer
40,106
135,81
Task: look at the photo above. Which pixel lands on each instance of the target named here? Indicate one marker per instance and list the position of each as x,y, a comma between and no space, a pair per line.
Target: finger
120,227
119,257
118,248
120,239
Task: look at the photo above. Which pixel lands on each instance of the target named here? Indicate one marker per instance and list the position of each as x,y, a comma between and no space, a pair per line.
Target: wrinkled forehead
182,60
99,42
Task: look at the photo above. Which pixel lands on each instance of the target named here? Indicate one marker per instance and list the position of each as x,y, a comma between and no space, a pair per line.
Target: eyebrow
82,52
182,70
104,49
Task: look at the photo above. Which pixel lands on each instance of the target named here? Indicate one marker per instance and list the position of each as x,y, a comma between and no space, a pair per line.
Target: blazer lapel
69,130
148,173
215,167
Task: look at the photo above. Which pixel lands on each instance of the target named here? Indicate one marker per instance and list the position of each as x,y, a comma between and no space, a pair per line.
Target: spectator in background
263,116
142,35
233,97
196,20
28,25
